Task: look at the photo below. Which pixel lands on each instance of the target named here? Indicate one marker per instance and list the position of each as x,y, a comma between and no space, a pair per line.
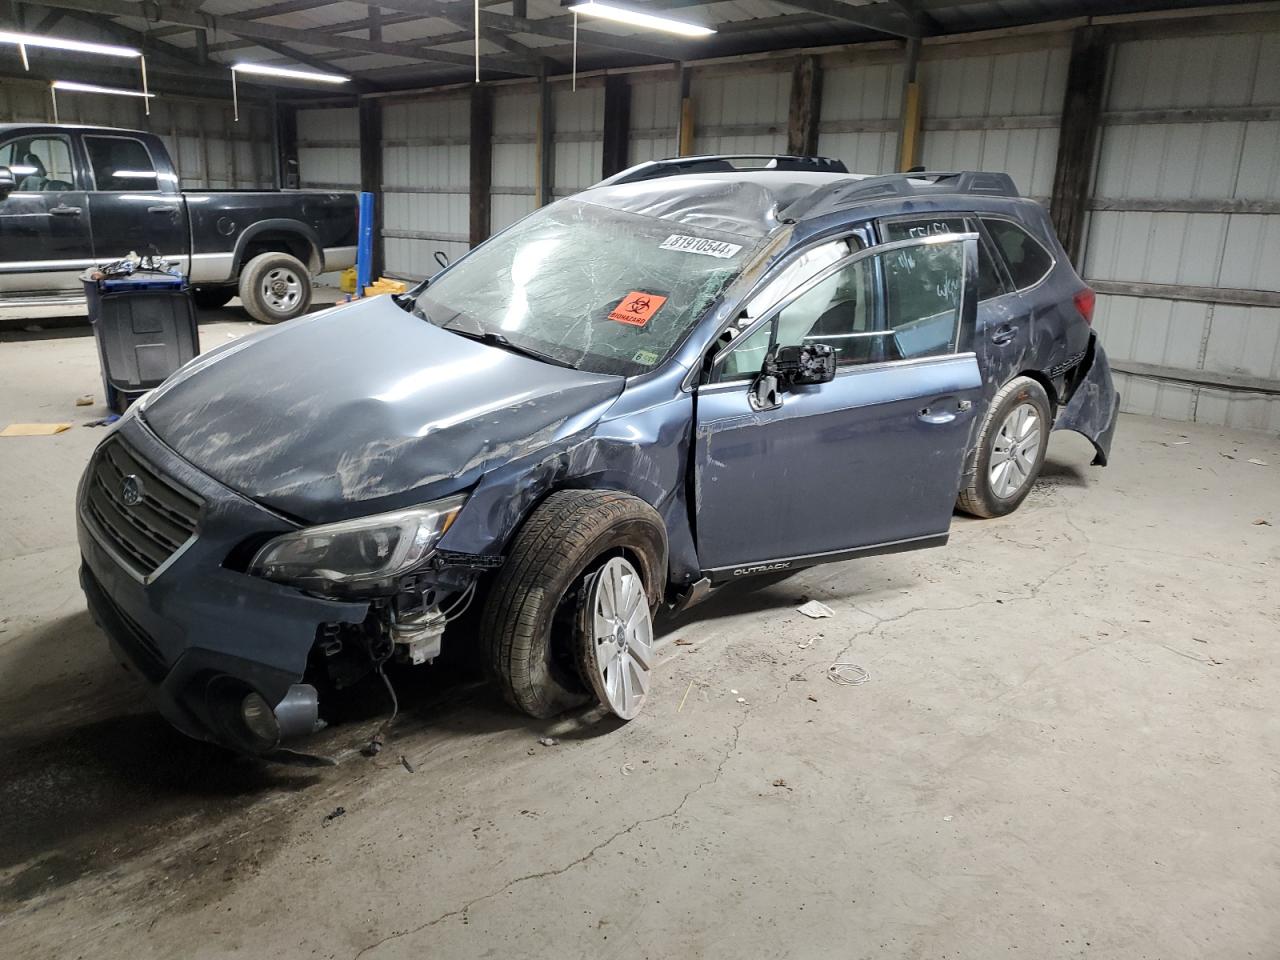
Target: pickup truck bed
74,196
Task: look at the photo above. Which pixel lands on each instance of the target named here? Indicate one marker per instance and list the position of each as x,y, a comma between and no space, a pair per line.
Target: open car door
837,423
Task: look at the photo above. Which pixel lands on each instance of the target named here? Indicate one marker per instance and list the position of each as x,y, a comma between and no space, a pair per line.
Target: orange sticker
636,308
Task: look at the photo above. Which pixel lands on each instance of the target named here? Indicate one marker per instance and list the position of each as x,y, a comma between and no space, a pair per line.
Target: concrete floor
1068,746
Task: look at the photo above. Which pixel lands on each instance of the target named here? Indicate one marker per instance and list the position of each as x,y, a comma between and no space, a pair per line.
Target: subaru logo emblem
131,491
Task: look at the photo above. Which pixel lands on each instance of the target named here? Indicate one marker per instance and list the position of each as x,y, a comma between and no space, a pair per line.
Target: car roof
56,127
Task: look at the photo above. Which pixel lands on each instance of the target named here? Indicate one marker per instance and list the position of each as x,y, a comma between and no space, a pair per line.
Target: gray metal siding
741,112
578,125
514,165
329,148
655,119
861,104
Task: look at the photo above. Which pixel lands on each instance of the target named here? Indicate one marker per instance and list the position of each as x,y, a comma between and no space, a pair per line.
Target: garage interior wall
1183,236
210,149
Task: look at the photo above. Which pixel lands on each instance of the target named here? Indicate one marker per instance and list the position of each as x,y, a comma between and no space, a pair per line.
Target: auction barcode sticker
700,245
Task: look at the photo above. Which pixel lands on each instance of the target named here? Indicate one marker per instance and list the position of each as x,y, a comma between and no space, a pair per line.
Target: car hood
363,408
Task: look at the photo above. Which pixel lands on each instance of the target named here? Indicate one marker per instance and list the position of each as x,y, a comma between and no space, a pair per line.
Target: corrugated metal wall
578,122
861,103
207,146
426,189
1166,185
655,118
329,148
996,112
741,111
515,160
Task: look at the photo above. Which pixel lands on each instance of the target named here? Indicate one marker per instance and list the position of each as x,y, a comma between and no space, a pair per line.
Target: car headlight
363,554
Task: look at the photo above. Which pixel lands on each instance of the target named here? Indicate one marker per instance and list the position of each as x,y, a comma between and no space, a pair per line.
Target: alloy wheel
1015,450
619,657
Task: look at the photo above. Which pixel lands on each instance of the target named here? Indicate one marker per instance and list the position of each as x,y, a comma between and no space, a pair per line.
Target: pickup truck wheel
1010,450
540,615
275,287
212,298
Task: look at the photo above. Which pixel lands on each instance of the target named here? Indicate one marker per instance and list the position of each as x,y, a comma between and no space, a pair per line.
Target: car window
1025,258
39,164
989,282
922,290
120,163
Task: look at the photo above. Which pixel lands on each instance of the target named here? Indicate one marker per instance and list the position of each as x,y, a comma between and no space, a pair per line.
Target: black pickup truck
75,196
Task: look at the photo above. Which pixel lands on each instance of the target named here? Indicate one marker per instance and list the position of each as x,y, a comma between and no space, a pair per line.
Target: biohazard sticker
699,245
636,308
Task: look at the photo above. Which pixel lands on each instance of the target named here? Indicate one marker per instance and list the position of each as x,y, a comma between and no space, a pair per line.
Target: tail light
1084,301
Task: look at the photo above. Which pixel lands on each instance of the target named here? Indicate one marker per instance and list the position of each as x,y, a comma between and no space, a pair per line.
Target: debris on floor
337,812
374,746
84,400
627,768
682,642
848,674
779,782
816,610
34,429
105,421
404,762
548,741
1262,522
1259,463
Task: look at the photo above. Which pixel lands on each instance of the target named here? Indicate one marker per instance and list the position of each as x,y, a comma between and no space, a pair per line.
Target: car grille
142,534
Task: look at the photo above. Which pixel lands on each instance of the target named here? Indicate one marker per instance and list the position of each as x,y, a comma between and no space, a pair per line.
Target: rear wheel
275,287
212,298
1010,450
540,616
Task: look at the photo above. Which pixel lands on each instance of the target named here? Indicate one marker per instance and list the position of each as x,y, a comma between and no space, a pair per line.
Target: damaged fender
1094,404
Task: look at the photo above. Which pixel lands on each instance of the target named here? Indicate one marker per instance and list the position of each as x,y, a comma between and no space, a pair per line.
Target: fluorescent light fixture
289,74
635,18
57,43
94,88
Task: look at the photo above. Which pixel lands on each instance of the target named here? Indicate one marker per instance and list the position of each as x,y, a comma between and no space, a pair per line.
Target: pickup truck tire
212,298
275,287
1010,450
529,628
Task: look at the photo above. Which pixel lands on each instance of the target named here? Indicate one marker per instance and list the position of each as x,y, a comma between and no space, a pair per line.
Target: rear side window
1027,260
989,282
120,163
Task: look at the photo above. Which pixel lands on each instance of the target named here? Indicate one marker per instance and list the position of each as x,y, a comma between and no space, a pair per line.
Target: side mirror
804,364
8,183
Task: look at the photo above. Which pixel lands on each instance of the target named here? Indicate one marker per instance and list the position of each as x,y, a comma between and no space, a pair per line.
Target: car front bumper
193,621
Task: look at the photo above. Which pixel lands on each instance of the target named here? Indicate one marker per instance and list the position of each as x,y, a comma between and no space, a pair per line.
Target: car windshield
588,286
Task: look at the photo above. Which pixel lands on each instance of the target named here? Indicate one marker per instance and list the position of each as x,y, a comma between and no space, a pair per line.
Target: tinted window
120,163
39,164
989,282
1027,261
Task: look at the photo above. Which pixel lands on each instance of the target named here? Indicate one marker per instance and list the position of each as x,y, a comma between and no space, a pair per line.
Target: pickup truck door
44,225
135,201
866,463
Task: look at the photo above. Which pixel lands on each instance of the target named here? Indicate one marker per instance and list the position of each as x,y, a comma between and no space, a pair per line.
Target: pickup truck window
39,164
120,163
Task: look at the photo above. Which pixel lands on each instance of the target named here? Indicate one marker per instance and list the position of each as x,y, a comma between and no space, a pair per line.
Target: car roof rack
847,193
723,163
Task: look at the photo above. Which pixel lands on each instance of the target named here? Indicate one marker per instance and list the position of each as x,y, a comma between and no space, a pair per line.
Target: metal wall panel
861,104
1159,160
426,174
515,166
655,119
741,113
996,112
210,150
578,124
329,148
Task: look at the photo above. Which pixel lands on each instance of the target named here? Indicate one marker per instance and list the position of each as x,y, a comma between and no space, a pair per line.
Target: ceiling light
56,43
266,71
94,88
635,18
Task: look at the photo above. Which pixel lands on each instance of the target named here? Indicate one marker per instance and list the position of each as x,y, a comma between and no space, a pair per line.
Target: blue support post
364,245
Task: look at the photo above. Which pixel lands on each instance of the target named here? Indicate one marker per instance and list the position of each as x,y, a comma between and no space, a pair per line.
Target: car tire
1010,450
529,628
212,298
275,287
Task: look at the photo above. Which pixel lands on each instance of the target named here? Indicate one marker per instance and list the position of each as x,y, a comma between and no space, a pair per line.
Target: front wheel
569,614
275,287
1010,450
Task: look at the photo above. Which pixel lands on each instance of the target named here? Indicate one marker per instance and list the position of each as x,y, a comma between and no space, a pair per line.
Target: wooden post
481,163
806,107
617,124
371,174
684,136
545,145
1078,138
909,120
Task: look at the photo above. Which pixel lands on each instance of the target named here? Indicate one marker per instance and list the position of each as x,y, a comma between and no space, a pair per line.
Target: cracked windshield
588,286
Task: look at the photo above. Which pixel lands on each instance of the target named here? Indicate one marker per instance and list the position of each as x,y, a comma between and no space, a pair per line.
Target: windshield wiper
498,340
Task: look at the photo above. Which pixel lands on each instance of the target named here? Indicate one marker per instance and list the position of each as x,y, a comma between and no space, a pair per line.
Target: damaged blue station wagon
698,370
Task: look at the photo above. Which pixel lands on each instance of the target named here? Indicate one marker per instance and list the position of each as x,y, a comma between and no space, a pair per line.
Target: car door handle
1004,334
64,211
937,414
165,208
